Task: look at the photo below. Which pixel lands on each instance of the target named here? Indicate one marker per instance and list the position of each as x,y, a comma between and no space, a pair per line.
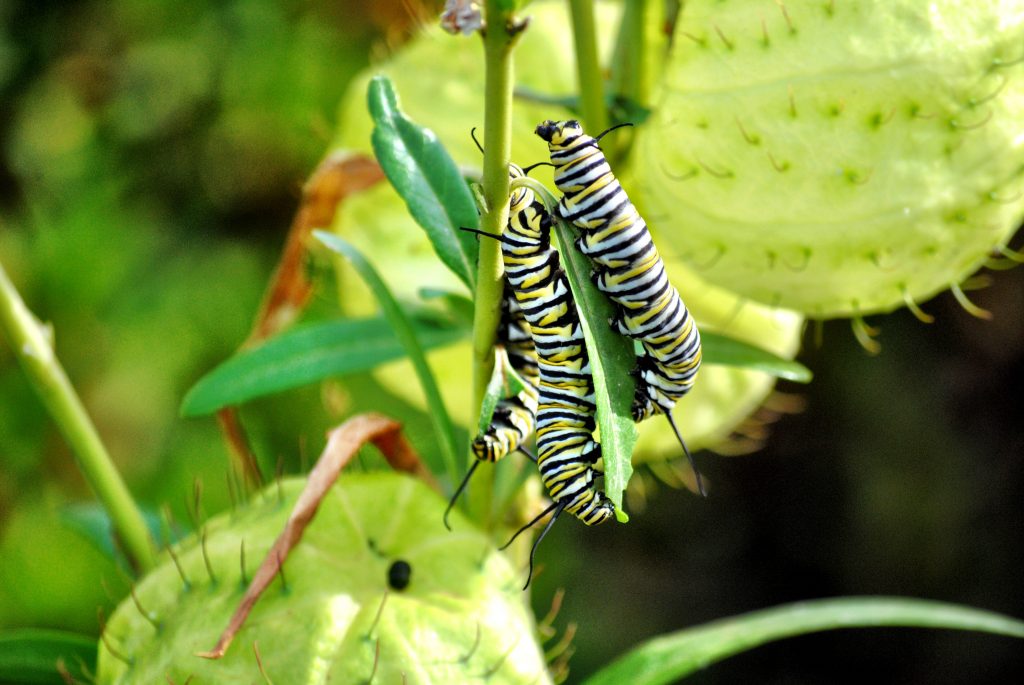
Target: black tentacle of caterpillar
629,270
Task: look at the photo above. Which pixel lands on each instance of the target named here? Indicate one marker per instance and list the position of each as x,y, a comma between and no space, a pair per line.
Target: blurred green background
152,156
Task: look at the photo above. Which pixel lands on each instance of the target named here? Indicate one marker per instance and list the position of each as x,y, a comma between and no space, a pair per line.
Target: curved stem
498,40
540,190
35,353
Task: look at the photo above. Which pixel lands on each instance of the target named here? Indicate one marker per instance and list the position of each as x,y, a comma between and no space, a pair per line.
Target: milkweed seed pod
837,158
377,586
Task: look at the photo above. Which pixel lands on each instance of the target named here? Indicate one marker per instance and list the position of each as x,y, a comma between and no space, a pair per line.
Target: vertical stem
630,73
498,41
33,350
588,67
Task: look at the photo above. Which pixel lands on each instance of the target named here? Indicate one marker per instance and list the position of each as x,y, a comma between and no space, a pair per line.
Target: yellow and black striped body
514,417
628,268
566,450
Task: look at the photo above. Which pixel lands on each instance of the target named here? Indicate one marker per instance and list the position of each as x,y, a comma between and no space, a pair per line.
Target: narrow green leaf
514,383
32,655
720,349
91,521
495,391
427,178
404,330
570,103
626,110
611,360
504,382
671,657
307,354
459,306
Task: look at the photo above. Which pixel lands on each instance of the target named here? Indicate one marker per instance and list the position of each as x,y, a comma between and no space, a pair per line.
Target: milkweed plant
795,161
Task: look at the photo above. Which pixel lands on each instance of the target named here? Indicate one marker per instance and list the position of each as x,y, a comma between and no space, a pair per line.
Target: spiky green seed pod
838,157
340,612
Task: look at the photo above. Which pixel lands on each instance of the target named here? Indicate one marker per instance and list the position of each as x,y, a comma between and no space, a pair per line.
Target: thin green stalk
35,353
498,41
630,73
588,66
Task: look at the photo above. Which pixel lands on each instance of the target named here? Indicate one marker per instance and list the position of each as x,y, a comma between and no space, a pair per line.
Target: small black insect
399,574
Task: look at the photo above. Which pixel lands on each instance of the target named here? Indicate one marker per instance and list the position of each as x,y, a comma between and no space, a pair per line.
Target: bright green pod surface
461,617
838,157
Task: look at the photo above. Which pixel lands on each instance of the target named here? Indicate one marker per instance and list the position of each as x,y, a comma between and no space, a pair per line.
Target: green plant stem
630,73
498,41
34,351
588,66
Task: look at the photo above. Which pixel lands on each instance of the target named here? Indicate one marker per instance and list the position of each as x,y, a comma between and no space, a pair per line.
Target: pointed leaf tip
381,98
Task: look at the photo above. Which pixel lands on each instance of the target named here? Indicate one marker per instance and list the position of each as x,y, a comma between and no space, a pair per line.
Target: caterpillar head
484,449
559,133
522,196
602,510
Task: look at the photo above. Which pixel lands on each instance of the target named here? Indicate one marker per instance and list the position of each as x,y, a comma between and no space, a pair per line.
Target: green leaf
32,655
514,383
307,354
671,657
495,391
459,306
613,384
427,178
570,103
91,521
624,110
504,382
725,351
405,332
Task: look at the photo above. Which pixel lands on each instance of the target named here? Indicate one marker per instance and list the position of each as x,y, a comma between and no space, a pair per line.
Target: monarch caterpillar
514,418
566,450
628,269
